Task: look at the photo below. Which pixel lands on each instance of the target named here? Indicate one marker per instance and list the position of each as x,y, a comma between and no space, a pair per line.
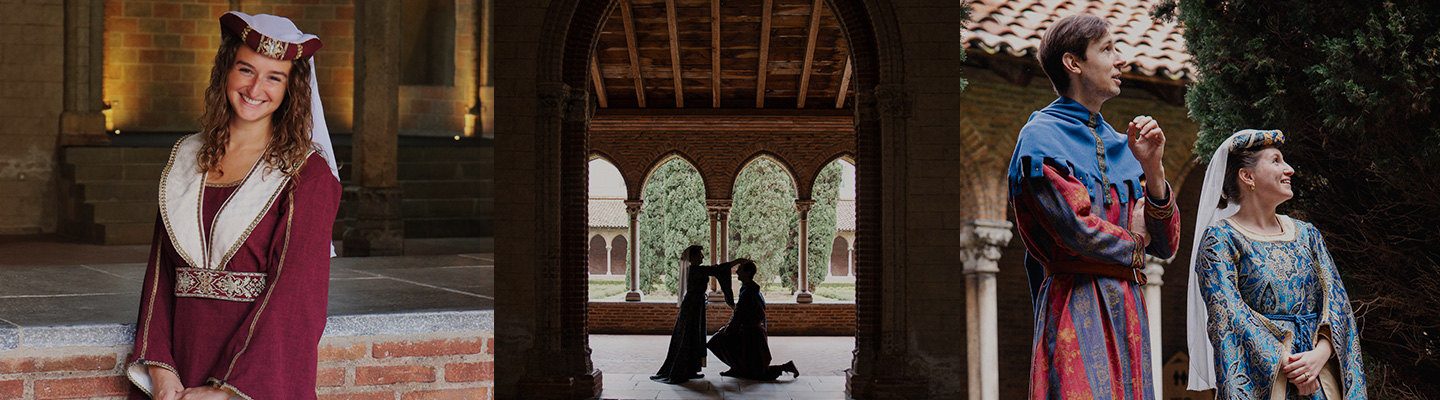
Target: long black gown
687,341
742,343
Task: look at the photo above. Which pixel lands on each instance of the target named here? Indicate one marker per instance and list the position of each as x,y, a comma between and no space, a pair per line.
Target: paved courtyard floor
627,361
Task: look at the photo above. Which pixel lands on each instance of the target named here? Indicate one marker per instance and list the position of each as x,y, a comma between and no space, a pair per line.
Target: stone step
117,191
98,172
440,208
447,227
444,170
114,155
122,211
126,232
448,189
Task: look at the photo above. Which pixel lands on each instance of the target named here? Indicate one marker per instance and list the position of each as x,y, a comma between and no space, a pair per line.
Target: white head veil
279,38
1197,336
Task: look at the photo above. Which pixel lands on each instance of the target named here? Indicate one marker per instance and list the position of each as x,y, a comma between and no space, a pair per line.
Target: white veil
1197,336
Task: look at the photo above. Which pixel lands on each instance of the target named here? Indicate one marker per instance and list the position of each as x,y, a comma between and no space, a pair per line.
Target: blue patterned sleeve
1248,347
1339,320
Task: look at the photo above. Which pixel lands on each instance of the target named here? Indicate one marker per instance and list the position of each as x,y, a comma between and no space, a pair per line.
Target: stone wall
32,38
396,367
783,319
158,56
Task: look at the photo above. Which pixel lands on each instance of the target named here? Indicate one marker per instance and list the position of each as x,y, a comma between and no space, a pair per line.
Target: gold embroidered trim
284,249
285,179
224,185
210,236
164,210
1163,211
273,48
232,390
147,363
220,285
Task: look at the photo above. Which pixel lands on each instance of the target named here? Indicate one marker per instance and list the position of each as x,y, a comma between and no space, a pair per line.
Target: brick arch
653,165
777,159
628,179
830,155
549,347
984,174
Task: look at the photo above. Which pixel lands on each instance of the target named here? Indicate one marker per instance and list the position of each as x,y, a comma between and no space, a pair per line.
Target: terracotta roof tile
608,213
1014,28
845,215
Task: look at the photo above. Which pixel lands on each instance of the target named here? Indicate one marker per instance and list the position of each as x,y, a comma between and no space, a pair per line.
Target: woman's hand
164,384
204,393
1303,369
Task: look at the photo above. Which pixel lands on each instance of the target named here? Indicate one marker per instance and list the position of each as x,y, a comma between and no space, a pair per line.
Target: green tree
673,218
823,224
763,222
1353,84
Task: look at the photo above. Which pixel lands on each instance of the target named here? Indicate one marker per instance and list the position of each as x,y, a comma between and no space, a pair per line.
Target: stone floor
627,361
46,284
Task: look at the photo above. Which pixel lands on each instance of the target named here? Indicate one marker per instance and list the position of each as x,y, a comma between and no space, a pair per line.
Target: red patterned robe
247,314
1091,332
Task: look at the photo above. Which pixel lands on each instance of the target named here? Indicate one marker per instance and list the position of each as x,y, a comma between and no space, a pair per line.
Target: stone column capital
719,209
980,244
1154,269
634,207
803,207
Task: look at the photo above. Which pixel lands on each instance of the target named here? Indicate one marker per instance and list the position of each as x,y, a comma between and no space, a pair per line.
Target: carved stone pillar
379,223
82,123
633,207
1154,270
719,213
981,242
803,294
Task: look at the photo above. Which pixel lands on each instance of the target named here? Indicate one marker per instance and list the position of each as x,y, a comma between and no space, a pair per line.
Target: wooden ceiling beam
764,53
675,53
598,80
814,30
715,53
634,52
844,85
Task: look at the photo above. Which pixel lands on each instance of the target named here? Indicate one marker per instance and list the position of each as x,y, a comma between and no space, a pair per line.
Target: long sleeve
1248,346
1162,221
1339,319
153,330
1055,209
722,276
277,341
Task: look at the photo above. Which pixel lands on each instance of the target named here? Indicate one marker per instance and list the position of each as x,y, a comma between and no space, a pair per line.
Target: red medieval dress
235,289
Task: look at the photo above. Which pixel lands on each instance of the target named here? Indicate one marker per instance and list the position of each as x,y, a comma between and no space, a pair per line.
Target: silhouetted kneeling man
742,343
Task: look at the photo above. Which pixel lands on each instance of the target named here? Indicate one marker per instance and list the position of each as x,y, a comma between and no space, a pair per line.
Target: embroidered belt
221,285
1116,271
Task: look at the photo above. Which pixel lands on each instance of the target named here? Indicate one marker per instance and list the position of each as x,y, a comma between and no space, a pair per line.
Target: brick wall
783,319
158,55
31,93
395,367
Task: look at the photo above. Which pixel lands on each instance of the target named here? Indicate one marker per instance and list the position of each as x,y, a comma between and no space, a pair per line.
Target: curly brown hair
289,126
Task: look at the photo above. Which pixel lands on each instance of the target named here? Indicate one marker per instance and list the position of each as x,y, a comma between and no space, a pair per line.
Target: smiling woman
235,291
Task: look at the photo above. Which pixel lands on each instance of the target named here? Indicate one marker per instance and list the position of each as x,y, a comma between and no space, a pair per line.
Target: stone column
379,225
608,249
719,213
803,294
981,242
633,207
1154,270
82,123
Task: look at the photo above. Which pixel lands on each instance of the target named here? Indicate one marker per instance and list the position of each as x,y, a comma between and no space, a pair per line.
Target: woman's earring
1252,185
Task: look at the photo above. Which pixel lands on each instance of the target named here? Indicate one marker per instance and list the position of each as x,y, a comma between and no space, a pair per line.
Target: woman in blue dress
1268,315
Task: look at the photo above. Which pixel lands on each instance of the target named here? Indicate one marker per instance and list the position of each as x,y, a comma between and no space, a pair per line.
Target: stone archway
549,356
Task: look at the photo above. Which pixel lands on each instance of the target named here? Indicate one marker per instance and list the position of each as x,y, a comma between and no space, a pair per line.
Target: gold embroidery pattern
220,285
273,48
